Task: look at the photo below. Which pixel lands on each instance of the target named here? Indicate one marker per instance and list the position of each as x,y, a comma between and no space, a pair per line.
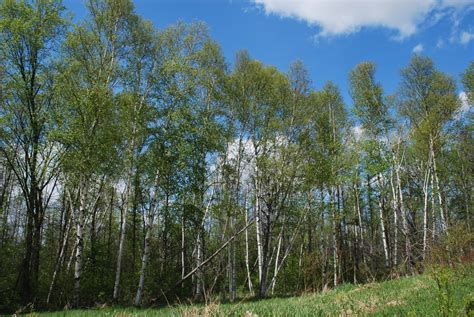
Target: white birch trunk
334,239
123,226
200,251
79,243
146,252
280,238
404,219
438,189
258,230
425,210
231,260
433,211
247,265
395,205
361,225
60,261
382,227
183,244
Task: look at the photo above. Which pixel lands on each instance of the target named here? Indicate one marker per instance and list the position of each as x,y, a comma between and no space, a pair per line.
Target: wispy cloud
466,37
465,106
440,43
358,132
418,49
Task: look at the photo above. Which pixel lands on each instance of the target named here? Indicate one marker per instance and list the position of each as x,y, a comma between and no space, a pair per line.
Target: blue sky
329,36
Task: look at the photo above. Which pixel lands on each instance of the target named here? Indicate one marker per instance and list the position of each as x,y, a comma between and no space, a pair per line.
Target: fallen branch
214,254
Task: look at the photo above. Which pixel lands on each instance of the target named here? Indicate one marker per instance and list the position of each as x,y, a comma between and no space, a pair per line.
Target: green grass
411,296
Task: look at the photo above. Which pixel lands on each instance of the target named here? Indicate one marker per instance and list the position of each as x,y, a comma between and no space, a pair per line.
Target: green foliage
112,117
368,100
35,24
428,96
444,279
454,246
468,81
412,296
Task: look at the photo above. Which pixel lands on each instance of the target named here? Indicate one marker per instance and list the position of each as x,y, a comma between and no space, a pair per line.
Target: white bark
382,224
146,252
334,239
438,187
279,264
404,219
276,269
146,246
183,244
199,287
247,265
258,229
425,210
395,205
232,273
222,247
199,280
60,260
79,242
361,224
123,226
433,211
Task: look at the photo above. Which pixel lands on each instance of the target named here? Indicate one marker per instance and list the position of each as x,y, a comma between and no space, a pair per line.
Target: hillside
413,296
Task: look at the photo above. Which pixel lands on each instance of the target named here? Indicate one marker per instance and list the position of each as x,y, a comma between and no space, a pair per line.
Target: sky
329,36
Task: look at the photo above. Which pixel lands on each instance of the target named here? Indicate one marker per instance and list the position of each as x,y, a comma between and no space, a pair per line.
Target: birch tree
30,32
428,99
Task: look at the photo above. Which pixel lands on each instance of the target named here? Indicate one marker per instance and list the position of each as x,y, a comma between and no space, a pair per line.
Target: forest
139,167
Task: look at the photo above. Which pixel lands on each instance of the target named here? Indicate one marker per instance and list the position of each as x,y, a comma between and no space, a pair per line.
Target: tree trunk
247,265
277,258
335,259
25,275
433,211
231,260
371,214
146,252
258,230
425,210
62,253
123,226
444,225
262,287
395,206
199,287
183,246
382,223
361,224
406,231
79,242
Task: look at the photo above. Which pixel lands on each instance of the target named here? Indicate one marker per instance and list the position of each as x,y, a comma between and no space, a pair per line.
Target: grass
411,296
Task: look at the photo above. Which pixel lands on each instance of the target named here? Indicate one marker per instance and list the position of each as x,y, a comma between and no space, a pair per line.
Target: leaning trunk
60,260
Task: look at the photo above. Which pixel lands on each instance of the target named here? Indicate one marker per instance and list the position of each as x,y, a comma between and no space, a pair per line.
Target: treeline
137,167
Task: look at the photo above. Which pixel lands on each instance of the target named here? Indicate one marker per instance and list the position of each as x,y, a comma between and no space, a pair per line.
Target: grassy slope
416,296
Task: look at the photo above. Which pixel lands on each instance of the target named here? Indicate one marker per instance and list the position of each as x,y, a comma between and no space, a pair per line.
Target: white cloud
440,43
466,37
418,49
336,17
358,132
465,106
